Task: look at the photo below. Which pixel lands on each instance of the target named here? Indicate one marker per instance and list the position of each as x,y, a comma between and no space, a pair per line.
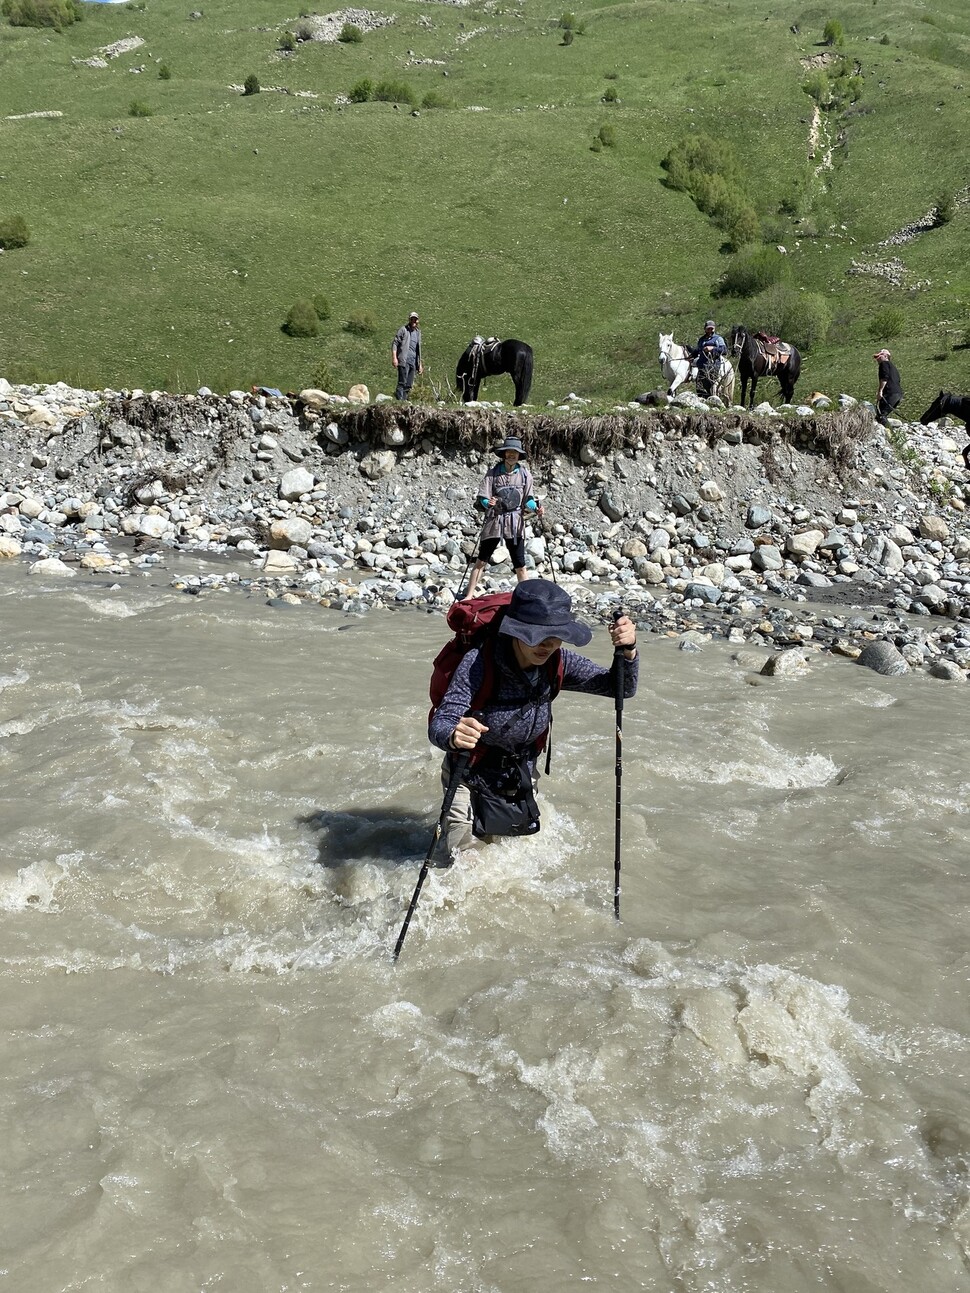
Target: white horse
678,367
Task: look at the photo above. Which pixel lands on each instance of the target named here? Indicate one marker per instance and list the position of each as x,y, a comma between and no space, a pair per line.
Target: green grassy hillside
165,250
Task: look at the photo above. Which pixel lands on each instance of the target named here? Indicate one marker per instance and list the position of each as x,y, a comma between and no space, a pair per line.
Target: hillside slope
166,249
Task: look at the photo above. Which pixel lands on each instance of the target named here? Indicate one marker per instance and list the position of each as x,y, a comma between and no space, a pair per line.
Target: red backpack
476,624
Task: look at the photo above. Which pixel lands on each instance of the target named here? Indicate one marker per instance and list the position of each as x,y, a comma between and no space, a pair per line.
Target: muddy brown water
212,816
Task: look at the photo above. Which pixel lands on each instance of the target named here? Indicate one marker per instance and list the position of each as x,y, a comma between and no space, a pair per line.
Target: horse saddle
772,350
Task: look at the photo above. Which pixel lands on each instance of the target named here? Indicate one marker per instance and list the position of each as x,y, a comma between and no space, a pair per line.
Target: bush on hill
164,72
361,323
745,229
567,37
394,92
251,84
14,233
321,378
42,13
944,210
362,91
434,99
287,42
139,108
801,318
302,320
322,306
707,169
833,33
887,324
753,272
607,136
350,34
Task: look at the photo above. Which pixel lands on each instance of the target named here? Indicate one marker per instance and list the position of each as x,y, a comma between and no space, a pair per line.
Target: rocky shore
797,529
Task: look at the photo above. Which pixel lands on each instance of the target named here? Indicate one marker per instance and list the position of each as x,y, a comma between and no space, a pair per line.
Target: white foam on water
34,887
117,608
15,679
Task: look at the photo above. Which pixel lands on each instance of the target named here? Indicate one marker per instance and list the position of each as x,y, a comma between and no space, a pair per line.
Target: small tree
802,318
287,42
14,233
350,34
833,33
607,136
753,272
138,108
362,91
164,72
394,92
568,21
302,320
567,37
322,306
321,379
251,84
611,94
944,209
435,99
745,228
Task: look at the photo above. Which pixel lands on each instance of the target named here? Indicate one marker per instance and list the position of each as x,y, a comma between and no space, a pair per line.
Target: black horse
753,361
954,406
486,358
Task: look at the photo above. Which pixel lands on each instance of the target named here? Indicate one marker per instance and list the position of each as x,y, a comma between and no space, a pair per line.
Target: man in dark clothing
406,355
889,392
514,719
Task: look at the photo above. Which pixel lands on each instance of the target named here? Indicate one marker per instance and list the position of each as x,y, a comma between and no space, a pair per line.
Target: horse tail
523,373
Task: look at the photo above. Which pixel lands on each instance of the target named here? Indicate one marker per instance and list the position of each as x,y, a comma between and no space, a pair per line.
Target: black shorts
516,549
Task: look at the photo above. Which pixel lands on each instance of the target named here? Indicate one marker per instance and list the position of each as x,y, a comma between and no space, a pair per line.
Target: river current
212,817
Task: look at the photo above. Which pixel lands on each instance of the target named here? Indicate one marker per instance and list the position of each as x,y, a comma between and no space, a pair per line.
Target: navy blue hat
539,610
510,442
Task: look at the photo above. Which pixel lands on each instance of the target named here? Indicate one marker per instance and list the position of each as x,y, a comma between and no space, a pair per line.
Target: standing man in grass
889,390
406,355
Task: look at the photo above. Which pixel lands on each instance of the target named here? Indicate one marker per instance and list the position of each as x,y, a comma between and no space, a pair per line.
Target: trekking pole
471,560
461,763
619,683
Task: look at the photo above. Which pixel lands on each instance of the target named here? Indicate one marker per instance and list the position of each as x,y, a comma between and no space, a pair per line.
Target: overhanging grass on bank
166,251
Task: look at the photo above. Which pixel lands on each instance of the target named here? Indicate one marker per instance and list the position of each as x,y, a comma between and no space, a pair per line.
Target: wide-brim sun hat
539,610
510,442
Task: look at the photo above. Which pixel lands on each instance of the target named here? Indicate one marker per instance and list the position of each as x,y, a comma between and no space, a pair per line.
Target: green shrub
799,317
754,272
833,33
362,91
568,21
884,40
138,108
304,31
302,320
287,42
361,323
596,146
394,92
746,228
321,378
251,84
887,324
14,233
350,34
944,209
567,37
321,307
42,13
611,95
607,136
164,72
435,99
816,86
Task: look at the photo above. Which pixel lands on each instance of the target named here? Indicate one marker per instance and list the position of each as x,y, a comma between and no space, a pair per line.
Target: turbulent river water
212,817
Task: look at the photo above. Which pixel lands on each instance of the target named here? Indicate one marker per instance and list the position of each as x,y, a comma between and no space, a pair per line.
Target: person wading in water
498,707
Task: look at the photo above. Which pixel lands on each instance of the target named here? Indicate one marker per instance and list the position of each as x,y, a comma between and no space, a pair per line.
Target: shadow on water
376,836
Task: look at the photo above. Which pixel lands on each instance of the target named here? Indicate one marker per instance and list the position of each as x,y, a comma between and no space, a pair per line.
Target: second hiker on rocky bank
505,495
510,681
406,355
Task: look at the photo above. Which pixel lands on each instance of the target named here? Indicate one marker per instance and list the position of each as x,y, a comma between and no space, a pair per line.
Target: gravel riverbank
803,529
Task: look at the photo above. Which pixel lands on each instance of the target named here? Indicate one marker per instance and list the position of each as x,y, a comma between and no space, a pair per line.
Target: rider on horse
708,353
